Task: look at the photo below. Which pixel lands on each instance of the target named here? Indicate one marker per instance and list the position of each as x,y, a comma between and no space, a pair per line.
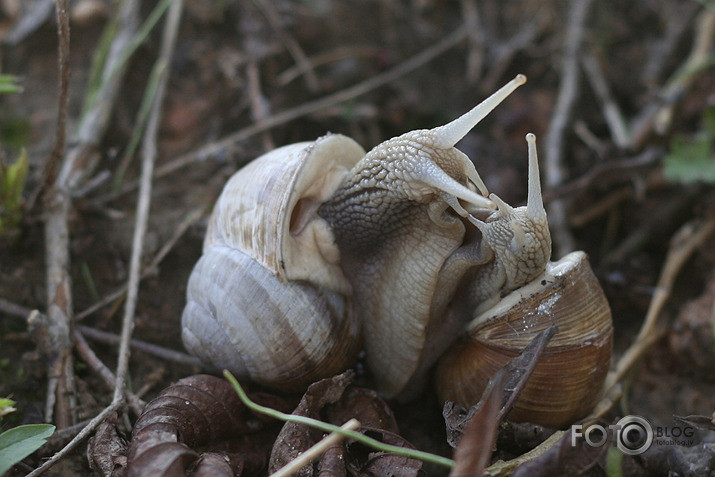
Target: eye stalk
519,237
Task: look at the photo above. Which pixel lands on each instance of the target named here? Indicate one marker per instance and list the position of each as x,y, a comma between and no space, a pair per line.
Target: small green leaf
12,182
8,84
692,159
6,406
19,442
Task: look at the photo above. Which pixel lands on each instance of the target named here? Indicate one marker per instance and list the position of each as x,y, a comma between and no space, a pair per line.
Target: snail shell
566,382
267,299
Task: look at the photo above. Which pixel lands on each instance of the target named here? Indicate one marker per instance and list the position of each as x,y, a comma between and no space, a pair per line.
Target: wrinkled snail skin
397,220
316,250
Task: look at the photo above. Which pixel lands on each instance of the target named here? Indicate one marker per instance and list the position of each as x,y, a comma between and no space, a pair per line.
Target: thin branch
143,205
60,382
170,355
656,115
682,246
554,167
82,435
168,42
226,143
291,44
58,150
612,114
173,356
316,451
89,357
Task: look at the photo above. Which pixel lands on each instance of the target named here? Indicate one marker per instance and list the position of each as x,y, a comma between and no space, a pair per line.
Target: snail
316,250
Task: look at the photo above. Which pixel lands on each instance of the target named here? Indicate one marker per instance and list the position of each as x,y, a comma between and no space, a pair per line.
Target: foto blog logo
633,435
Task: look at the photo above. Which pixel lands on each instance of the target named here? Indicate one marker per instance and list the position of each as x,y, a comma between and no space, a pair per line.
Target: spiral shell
267,299
566,382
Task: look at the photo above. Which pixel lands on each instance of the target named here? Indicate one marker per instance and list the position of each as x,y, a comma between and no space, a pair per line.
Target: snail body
398,249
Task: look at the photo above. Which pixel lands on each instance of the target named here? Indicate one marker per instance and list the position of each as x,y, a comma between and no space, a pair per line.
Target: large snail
316,250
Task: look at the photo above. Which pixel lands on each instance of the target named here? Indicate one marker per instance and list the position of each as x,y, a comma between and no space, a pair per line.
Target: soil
233,66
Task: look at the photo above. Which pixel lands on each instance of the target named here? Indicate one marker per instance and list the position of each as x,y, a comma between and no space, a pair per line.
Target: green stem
324,426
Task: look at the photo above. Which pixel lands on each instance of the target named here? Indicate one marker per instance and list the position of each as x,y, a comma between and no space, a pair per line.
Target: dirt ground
619,102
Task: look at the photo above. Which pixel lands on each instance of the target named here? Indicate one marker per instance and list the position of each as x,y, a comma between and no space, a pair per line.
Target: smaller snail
567,380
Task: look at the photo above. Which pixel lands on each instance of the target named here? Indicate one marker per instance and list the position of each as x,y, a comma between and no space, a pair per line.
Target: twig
678,20
76,167
700,57
608,171
293,47
330,56
58,150
190,219
555,141
316,451
81,435
173,356
60,382
475,40
305,109
259,109
149,348
682,246
656,115
6,306
104,372
612,114
504,468
142,216
324,426
647,230
144,202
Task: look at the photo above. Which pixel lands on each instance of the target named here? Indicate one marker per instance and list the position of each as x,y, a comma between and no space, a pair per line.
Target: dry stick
505,468
476,39
678,19
143,205
76,167
173,356
60,398
315,451
259,109
149,348
103,371
611,113
682,246
700,56
327,57
555,140
149,154
190,219
305,109
293,47
656,115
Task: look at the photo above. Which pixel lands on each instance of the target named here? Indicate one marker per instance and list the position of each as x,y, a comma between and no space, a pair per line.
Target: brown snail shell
567,380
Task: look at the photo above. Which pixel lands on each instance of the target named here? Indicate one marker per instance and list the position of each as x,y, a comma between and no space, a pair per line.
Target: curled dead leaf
201,411
333,400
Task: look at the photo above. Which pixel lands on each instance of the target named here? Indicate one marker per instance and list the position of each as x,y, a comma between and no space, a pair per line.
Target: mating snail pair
317,249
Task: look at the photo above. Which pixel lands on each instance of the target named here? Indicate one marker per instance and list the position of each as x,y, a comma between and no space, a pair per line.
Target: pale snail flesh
397,248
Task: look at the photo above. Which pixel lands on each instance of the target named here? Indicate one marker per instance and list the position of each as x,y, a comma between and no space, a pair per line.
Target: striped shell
566,382
267,299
